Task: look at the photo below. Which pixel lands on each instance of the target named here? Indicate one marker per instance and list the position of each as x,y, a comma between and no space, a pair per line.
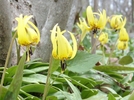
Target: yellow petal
123,35
103,38
122,45
74,45
54,42
90,16
84,28
36,29
28,33
33,36
62,47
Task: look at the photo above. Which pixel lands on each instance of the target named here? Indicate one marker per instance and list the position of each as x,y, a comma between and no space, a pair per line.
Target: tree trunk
5,30
58,13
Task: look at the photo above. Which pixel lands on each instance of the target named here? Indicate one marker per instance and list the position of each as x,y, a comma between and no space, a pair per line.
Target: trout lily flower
122,45
123,35
62,49
96,20
117,22
28,33
123,39
103,38
84,28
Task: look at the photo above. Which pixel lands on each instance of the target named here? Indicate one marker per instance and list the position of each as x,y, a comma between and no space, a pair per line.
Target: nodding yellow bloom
103,38
96,20
122,45
84,28
117,22
62,49
28,33
123,35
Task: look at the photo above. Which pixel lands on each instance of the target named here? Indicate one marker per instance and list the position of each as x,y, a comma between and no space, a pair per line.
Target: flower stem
6,63
113,48
28,55
48,80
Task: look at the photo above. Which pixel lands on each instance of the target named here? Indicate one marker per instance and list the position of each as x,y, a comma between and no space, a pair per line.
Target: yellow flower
84,28
103,38
62,49
122,45
123,35
96,20
27,32
117,22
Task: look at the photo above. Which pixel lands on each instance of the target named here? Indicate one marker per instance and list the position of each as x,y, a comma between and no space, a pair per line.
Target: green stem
103,54
18,51
7,60
48,80
112,51
28,55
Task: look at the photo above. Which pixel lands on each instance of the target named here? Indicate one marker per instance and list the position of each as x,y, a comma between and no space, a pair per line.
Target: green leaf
131,96
106,68
54,64
27,71
89,83
37,88
99,96
51,98
15,85
4,90
111,97
126,60
109,89
35,78
11,71
83,62
75,91
88,93
40,69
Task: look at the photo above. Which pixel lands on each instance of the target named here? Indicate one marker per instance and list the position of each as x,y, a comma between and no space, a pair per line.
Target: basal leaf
13,90
126,60
113,68
75,91
131,96
111,97
37,88
83,62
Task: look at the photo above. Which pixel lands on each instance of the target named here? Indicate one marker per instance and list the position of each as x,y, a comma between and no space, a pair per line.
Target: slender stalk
103,54
18,51
112,51
93,42
48,80
28,55
6,63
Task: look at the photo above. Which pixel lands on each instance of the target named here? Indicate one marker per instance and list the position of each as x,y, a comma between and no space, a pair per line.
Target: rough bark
40,10
58,13
5,30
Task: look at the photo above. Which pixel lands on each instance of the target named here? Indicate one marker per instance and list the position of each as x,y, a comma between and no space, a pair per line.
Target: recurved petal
74,45
90,16
54,41
27,18
53,33
33,36
36,29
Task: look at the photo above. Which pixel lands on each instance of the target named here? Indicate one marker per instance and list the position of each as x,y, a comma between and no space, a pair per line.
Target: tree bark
5,30
58,13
